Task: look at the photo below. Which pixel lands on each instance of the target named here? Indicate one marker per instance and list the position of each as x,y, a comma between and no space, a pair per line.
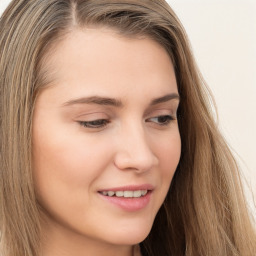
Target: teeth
137,193
128,194
111,193
144,192
119,193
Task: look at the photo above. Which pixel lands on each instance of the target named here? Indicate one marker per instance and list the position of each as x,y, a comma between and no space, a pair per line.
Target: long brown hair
205,210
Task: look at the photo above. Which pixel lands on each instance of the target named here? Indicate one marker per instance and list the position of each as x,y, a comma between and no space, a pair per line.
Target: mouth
128,198
125,193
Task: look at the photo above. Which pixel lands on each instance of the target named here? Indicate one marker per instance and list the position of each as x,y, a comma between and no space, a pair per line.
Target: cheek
169,151
63,163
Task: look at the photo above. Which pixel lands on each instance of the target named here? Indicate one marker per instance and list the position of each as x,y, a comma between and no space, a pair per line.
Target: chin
129,236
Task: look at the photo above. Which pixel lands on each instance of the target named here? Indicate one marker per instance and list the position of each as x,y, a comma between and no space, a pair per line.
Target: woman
109,145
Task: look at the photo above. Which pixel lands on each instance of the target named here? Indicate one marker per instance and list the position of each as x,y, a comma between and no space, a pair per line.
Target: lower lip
129,204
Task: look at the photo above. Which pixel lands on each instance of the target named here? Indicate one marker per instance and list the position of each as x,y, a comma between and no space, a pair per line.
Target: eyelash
166,119
101,123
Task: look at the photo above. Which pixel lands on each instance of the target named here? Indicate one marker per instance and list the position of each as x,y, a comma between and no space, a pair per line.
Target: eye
94,124
161,120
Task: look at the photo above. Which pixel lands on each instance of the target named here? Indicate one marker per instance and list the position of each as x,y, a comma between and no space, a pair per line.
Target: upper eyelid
171,116
107,120
149,113
89,124
162,112
93,116
106,111
90,117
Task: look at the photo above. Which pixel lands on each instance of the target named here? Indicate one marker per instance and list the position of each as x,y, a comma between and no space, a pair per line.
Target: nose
133,151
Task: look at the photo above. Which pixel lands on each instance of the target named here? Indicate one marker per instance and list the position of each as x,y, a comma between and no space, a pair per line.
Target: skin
71,162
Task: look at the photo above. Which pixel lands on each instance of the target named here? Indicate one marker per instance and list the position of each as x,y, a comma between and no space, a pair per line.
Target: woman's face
106,141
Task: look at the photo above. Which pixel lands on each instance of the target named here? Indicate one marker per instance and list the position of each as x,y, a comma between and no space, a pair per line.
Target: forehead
102,58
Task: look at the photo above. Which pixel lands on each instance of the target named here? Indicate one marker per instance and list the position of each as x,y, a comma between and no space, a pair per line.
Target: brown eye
161,120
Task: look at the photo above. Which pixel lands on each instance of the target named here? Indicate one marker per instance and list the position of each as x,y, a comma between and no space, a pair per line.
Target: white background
223,37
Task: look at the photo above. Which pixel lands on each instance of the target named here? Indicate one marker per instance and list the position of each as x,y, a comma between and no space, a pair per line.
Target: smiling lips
126,193
129,198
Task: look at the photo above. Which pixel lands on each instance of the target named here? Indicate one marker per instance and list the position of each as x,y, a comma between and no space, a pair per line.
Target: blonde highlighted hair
205,211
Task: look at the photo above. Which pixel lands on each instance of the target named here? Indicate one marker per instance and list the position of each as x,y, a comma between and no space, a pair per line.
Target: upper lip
130,188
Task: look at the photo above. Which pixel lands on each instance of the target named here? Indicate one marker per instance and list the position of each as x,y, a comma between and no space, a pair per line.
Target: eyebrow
165,98
95,100
105,101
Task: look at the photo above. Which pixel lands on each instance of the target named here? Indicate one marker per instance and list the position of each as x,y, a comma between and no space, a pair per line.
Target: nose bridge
134,151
